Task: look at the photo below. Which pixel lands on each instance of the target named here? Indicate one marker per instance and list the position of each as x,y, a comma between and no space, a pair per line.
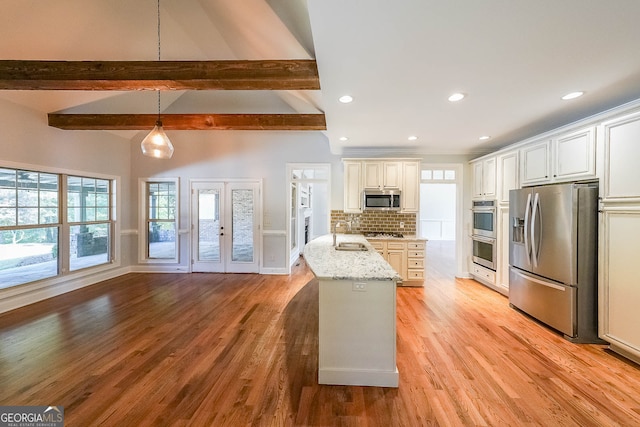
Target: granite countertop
328,263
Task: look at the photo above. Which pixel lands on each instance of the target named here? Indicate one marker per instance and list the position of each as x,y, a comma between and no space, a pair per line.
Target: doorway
440,216
308,214
225,232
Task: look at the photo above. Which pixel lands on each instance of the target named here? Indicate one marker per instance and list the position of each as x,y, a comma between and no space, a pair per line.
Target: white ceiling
400,60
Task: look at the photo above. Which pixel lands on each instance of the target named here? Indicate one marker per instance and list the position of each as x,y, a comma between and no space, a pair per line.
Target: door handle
527,211
535,214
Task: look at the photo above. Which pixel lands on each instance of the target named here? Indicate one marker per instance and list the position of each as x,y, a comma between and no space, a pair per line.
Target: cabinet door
502,253
392,174
477,179
352,192
622,152
397,259
410,187
619,296
489,177
507,176
535,163
372,174
575,155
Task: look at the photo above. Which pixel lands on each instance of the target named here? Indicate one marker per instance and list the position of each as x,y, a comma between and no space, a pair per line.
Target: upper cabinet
352,186
508,177
566,157
484,178
382,174
535,165
410,186
621,154
397,174
575,155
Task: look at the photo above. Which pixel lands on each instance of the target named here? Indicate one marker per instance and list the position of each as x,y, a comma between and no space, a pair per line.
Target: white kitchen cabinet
535,163
382,174
619,291
622,155
484,178
410,199
619,251
502,251
397,174
407,257
508,178
574,155
397,257
566,157
352,187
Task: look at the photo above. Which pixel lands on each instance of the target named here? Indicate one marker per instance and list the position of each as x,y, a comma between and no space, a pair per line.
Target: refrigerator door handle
527,211
535,246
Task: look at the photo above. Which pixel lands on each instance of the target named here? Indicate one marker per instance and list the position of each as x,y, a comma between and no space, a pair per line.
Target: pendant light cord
158,56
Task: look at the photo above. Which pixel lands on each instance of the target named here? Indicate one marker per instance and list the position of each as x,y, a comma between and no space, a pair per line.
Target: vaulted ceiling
400,61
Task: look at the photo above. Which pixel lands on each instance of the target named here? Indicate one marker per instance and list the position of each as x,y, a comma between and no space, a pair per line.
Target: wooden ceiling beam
298,74
189,121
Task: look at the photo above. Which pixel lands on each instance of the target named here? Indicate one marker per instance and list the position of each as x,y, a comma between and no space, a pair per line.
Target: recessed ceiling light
573,95
412,138
456,97
484,137
343,138
345,99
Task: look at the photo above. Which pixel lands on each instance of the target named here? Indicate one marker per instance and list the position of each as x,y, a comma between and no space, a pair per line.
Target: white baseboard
31,294
274,270
358,377
157,268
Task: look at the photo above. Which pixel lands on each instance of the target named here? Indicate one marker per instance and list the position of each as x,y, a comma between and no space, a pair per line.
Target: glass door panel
242,225
243,216
209,225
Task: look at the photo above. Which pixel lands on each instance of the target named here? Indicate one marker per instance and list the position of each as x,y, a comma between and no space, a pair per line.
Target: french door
225,226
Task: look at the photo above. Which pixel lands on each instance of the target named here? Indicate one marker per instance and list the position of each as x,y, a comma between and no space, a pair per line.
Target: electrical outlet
401,224
359,287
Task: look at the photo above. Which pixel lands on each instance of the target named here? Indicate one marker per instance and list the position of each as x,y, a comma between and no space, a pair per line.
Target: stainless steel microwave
381,200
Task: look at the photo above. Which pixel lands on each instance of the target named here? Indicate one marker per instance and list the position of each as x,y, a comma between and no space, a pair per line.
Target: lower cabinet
619,292
483,275
407,257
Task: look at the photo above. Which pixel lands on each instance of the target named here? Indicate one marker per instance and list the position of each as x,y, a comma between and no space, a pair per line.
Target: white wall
28,142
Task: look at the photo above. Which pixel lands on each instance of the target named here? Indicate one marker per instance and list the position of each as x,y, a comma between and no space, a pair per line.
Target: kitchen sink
351,246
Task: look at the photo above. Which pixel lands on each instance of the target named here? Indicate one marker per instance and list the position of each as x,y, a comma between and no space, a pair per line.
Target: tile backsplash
376,222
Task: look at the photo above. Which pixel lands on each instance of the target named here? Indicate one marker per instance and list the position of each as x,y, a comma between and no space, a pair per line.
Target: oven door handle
483,239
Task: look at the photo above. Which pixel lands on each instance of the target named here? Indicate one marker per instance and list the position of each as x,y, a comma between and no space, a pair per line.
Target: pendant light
156,143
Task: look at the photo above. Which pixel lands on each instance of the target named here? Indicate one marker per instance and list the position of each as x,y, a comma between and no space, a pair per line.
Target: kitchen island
357,313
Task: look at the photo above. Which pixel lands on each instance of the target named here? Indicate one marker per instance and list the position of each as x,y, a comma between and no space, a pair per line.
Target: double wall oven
484,233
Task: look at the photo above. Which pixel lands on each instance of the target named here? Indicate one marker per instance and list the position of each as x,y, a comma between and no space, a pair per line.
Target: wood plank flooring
234,350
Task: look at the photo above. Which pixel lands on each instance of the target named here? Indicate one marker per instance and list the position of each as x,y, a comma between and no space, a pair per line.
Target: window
160,212
39,235
89,217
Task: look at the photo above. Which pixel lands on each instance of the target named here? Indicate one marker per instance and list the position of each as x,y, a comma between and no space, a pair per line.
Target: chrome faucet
337,223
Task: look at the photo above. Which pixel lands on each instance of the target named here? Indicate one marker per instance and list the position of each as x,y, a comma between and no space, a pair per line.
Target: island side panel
357,333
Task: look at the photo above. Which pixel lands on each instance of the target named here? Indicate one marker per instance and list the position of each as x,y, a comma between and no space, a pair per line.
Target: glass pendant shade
156,143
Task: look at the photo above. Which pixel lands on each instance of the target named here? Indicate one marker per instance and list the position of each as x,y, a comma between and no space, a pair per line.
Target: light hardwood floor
229,350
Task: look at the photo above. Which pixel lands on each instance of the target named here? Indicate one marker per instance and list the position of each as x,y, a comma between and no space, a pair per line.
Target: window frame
67,224
64,274
143,221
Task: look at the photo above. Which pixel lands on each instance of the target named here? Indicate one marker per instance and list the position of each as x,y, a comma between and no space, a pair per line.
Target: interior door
225,227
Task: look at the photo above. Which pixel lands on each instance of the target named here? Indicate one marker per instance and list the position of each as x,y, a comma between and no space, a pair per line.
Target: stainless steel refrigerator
553,257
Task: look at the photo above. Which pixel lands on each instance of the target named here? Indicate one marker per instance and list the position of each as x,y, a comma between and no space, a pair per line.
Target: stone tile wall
376,222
